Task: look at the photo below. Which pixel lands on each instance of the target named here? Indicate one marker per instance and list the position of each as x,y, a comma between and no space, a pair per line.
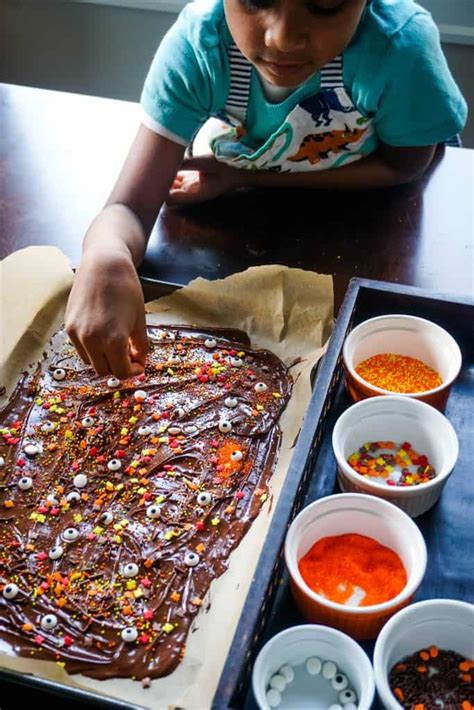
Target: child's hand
105,315
203,178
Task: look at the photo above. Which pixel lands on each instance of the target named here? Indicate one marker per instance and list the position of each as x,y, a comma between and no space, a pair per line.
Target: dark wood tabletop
60,154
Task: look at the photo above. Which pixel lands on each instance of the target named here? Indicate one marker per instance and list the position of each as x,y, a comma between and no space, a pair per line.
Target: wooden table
60,154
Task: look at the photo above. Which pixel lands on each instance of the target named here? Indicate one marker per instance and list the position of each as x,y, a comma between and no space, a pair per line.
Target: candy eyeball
31,450
47,427
153,511
129,634
49,621
191,559
80,480
59,374
231,402
113,382
106,518
55,552
139,395
278,682
130,570
260,387
174,430
2,461
204,498
190,429
236,362
273,698
329,670
210,343
236,455
347,696
51,498
288,673
73,497
313,666
70,534
25,483
10,591
225,426
114,465
144,430
87,422
339,682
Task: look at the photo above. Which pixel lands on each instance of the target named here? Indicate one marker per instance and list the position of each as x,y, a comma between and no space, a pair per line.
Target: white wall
105,50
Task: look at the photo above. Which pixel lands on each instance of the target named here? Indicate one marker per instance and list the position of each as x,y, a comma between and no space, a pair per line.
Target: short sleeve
177,92
420,103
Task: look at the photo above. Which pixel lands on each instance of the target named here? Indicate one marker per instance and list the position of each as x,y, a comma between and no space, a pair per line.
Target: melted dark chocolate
79,425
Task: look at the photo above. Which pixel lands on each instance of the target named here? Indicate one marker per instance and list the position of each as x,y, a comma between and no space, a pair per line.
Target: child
342,94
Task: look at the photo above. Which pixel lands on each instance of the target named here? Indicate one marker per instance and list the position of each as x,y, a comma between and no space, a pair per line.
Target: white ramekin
402,335
298,643
398,419
445,623
365,515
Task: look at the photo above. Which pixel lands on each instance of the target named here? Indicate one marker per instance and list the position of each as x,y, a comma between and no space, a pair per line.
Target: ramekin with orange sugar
408,336
365,515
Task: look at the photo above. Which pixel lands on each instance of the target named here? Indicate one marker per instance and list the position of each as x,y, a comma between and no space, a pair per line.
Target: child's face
288,40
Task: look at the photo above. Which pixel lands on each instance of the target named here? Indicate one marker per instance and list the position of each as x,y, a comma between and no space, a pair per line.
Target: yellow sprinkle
259,408
116,395
263,497
38,401
68,434
98,530
167,628
170,371
78,518
135,463
168,535
160,499
215,521
119,487
241,354
133,420
124,431
277,395
131,584
138,593
163,439
109,486
118,539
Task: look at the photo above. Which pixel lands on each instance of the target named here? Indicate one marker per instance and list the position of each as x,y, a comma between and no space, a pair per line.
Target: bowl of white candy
313,667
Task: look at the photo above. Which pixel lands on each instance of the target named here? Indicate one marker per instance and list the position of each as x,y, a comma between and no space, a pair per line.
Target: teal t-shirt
394,70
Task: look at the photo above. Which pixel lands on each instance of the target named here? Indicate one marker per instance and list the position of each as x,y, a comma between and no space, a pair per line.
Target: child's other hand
203,178
105,315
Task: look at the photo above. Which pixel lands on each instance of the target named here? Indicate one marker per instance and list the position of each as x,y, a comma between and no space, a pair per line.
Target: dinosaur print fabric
323,131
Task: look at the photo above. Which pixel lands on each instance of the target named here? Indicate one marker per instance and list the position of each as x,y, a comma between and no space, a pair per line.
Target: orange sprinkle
421,669
398,373
424,655
419,706
466,705
175,596
339,567
467,677
466,665
399,693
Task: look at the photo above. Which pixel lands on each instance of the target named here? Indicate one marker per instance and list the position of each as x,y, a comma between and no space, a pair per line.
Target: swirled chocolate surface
120,502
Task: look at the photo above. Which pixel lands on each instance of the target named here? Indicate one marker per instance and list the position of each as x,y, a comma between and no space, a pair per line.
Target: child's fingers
139,344
80,350
118,357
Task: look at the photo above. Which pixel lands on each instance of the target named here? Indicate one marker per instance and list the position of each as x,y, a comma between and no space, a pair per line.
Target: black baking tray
312,473
447,528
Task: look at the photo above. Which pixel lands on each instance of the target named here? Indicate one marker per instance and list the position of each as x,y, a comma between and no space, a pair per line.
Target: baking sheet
288,311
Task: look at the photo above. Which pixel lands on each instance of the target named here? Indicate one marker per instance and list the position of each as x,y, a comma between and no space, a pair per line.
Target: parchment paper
288,311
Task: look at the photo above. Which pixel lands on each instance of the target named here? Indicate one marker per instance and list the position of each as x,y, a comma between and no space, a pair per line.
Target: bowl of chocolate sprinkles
401,354
423,657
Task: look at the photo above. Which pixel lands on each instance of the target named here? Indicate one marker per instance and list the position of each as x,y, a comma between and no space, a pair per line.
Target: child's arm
387,166
105,316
